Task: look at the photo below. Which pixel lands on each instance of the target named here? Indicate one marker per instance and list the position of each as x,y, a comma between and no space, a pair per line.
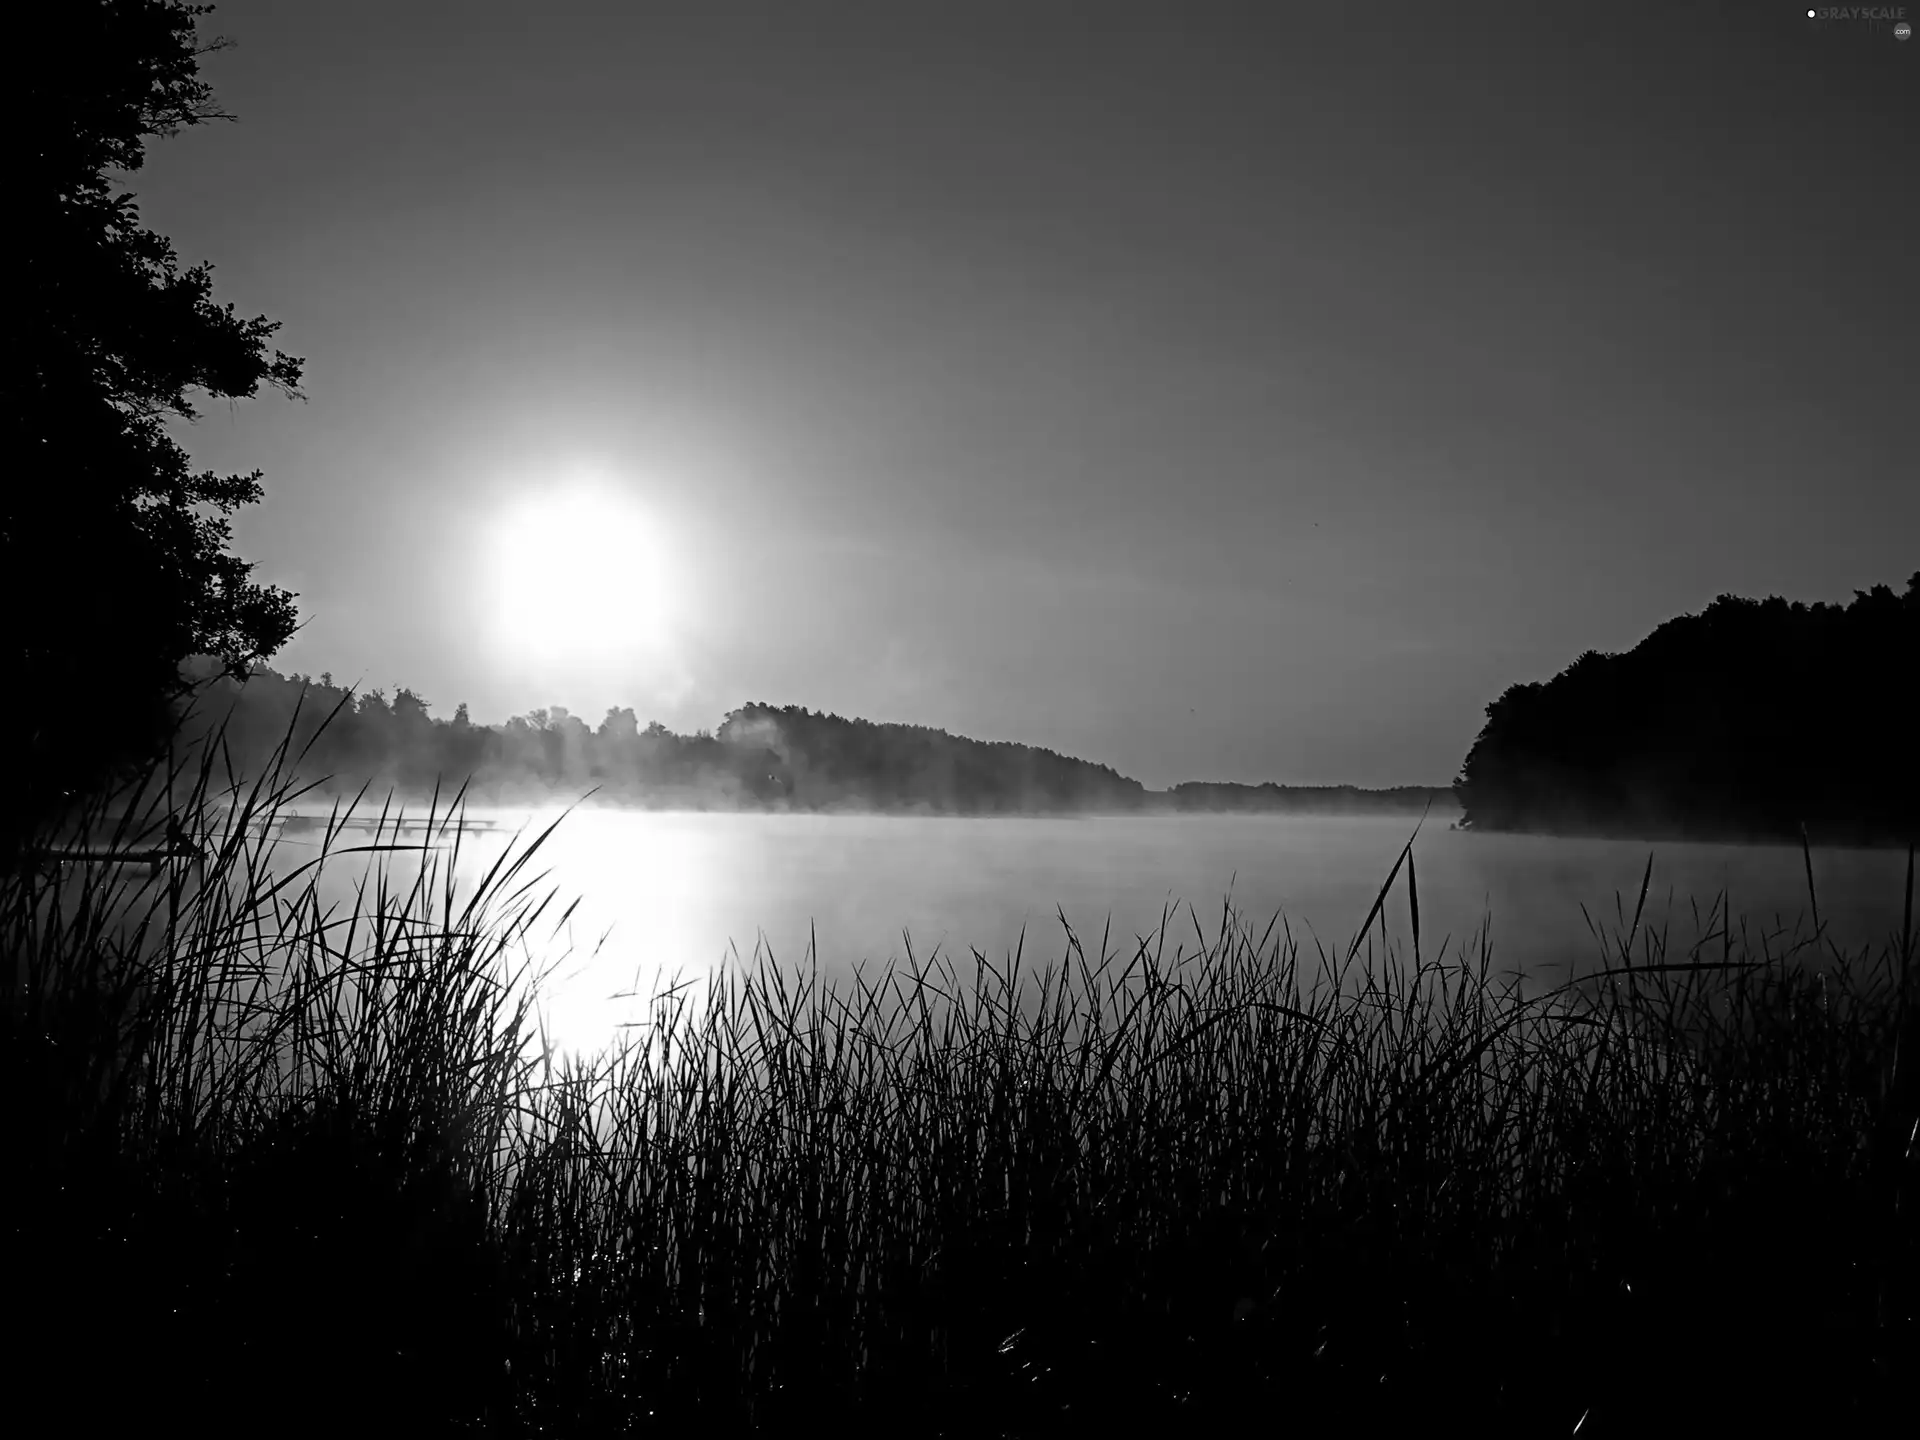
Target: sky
1217,392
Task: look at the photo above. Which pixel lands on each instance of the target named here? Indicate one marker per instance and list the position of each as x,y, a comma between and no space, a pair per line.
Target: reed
287,1165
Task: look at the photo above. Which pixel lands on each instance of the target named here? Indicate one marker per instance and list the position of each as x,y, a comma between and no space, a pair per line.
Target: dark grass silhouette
282,1168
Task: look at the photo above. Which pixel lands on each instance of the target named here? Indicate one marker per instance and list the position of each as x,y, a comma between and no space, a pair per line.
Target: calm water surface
677,894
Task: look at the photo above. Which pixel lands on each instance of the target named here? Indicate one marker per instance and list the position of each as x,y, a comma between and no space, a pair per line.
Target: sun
580,583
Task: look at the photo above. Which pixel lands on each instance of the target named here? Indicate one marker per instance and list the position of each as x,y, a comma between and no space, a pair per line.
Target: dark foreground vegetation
1749,720
761,757
281,1168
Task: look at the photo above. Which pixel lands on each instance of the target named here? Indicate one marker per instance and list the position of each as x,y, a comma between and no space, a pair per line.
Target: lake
676,893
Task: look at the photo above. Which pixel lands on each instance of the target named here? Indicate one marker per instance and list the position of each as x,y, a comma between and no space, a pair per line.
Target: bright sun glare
580,584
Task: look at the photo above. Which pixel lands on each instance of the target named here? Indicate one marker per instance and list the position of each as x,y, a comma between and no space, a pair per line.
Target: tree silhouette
113,551
761,756
1752,718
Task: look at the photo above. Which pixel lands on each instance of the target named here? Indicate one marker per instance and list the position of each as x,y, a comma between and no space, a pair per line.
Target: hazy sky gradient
1232,393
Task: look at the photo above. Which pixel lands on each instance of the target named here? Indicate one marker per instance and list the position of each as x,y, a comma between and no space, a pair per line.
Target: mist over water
677,894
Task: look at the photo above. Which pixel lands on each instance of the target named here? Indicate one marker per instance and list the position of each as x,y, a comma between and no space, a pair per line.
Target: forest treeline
761,756
1306,799
342,738
1750,719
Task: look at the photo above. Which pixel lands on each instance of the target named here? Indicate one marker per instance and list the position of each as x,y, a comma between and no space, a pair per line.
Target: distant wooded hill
761,756
1307,799
1747,720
